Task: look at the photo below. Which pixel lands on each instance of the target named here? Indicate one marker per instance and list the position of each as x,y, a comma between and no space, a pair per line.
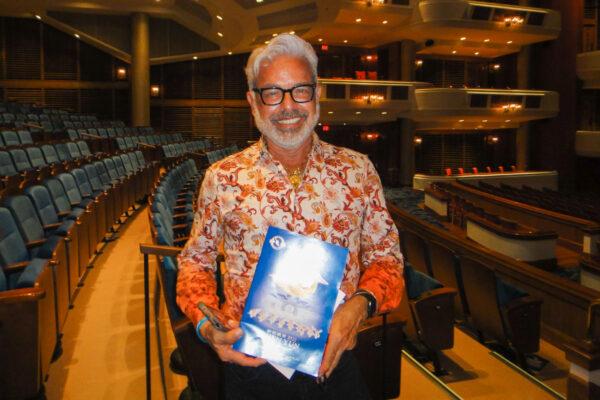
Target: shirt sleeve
381,261
196,280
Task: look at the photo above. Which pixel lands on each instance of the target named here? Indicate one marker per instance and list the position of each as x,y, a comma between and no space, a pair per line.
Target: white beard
286,139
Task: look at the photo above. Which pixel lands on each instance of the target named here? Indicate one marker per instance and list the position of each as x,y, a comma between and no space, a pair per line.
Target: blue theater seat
36,158
7,168
50,154
10,138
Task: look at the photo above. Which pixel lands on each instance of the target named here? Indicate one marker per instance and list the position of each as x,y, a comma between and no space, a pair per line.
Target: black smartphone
216,317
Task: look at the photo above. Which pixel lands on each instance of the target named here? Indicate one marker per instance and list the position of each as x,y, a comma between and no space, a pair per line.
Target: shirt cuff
198,326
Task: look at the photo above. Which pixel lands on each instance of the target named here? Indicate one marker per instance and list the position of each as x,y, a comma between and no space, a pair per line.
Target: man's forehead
284,64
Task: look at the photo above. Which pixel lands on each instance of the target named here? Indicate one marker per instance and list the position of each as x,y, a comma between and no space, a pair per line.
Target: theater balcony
587,143
588,69
474,28
366,102
471,109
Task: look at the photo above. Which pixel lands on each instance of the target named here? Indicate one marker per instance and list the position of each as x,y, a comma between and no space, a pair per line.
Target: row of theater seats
9,138
49,234
131,142
379,343
500,313
409,200
580,206
475,170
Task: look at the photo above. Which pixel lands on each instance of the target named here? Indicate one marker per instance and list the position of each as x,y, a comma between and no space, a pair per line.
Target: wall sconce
369,136
492,139
419,63
121,73
495,67
154,91
418,140
376,2
511,107
509,21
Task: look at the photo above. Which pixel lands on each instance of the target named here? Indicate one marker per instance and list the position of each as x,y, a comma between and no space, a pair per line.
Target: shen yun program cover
291,300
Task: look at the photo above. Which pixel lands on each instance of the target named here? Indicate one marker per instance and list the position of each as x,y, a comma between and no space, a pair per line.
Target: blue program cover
291,301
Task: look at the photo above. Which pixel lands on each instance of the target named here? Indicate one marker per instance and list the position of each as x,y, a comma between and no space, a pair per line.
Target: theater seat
10,138
7,168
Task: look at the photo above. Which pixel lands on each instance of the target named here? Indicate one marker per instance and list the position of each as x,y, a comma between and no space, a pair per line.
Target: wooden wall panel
178,119
35,96
122,109
23,48
238,126
235,83
94,64
208,122
207,79
62,98
98,102
60,54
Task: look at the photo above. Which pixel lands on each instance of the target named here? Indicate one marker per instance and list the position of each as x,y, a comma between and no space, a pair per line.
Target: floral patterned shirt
340,200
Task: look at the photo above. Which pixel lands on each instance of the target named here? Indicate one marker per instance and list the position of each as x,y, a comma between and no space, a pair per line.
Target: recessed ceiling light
358,19
486,40
329,112
384,21
259,1
509,42
292,32
320,39
507,121
461,120
476,53
383,112
358,112
484,120
230,52
220,34
463,38
346,41
453,51
219,18
37,16
195,57
275,34
344,124
77,35
267,41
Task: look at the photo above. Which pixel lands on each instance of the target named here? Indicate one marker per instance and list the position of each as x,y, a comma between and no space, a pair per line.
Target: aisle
103,341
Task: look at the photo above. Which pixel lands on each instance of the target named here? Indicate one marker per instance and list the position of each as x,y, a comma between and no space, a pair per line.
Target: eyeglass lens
300,94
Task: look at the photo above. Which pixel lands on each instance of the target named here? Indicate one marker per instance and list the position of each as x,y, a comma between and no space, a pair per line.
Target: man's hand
221,342
342,334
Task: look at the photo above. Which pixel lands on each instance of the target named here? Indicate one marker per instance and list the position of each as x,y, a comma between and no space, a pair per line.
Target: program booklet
291,300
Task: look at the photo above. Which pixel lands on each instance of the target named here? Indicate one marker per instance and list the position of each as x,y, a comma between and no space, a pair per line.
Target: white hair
284,44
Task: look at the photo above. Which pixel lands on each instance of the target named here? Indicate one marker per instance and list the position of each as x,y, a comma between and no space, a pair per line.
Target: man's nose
288,101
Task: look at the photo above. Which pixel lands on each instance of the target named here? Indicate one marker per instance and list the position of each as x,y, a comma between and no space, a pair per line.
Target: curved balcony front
465,109
588,69
587,143
364,102
474,28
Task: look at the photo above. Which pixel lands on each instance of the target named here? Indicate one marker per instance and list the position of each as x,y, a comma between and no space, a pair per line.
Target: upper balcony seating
409,200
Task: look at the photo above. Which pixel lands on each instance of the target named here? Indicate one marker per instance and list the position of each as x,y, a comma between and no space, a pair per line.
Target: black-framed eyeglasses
272,96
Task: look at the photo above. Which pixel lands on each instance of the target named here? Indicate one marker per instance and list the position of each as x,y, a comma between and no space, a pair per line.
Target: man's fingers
225,338
230,355
329,354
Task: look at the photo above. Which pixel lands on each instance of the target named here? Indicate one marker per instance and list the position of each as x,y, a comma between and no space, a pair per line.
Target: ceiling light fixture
230,52
384,21
509,42
259,1
346,41
220,34
292,32
195,57
77,35
37,16
219,18
358,19
461,120
486,40
275,34
320,39
384,113
357,113
329,112
476,53
453,51
267,41
463,38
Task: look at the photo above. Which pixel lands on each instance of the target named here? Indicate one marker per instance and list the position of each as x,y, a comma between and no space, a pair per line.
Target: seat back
12,247
73,150
58,195
94,179
40,196
36,158
25,137
129,142
20,160
446,269
119,166
85,188
102,173
26,217
84,148
63,152
480,287
121,143
71,188
7,168
10,138
50,154
111,169
133,160
127,163
140,157
415,251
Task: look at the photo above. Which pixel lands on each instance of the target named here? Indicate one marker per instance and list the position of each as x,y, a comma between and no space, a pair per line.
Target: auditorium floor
103,343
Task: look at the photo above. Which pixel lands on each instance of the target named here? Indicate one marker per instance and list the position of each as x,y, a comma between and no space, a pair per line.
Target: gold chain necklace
295,176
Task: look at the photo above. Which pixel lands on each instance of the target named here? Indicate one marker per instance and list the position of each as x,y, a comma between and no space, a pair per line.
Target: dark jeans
266,383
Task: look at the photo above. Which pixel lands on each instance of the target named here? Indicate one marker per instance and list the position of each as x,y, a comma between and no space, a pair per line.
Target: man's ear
318,91
250,98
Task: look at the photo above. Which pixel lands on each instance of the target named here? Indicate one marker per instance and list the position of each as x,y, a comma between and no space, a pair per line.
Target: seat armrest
167,251
16,267
35,243
50,227
21,295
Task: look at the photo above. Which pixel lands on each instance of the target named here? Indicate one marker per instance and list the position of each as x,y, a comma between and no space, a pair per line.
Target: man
292,180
